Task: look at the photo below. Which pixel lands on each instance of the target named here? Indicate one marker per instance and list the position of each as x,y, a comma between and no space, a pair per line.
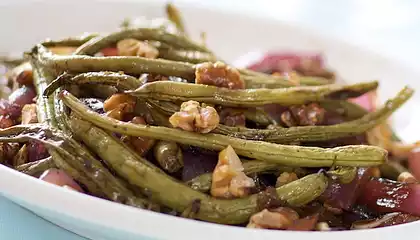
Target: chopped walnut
133,47
141,145
304,115
279,218
193,117
406,177
229,180
232,117
119,105
29,114
218,74
286,178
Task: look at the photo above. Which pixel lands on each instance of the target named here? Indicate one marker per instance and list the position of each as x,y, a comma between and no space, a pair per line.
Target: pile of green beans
83,143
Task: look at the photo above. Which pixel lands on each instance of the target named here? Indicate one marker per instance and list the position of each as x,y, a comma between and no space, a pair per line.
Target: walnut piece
119,105
218,74
279,218
304,115
232,117
133,47
141,145
286,178
229,180
195,118
29,114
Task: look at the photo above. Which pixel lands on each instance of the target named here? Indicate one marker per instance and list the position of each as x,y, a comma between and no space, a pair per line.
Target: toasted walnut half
286,178
218,74
279,218
133,47
229,180
119,105
195,118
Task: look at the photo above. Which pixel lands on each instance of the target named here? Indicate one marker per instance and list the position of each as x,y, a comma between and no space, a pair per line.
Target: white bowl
230,35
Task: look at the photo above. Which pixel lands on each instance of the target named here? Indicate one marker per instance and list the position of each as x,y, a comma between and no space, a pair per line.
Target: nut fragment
218,74
304,115
232,117
6,121
29,114
118,105
229,180
133,47
193,117
286,178
406,177
279,218
140,144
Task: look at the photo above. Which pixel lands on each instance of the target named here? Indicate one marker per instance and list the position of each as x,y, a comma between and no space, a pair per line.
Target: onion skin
344,196
60,178
386,196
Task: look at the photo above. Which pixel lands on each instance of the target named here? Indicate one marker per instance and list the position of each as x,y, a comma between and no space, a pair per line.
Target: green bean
168,155
70,42
202,182
270,152
121,81
34,168
178,196
76,175
129,65
95,45
348,110
269,81
185,55
321,133
83,165
175,17
166,90
343,174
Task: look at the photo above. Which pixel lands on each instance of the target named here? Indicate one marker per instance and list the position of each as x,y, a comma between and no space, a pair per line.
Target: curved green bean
121,81
202,182
83,165
166,90
129,65
178,196
321,133
95,45
33,168
173,14
70,42
270,152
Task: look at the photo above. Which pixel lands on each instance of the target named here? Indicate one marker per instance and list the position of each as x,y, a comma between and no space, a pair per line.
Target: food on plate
146,117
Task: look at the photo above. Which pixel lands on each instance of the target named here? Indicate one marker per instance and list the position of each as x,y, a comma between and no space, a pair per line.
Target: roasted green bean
95,45
121,81
173,14
178,196
37,167
166,90
129,65
270,152
321,133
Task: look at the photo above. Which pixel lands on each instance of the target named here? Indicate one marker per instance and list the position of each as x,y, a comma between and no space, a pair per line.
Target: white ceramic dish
230,35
